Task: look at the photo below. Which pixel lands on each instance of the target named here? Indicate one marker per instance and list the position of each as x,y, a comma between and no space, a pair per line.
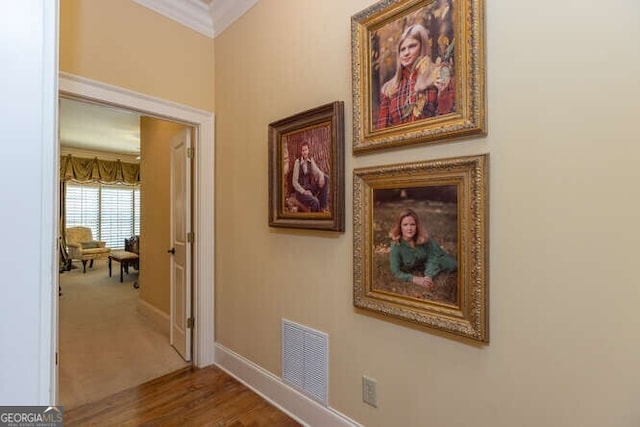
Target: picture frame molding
333,115
468,119
469,317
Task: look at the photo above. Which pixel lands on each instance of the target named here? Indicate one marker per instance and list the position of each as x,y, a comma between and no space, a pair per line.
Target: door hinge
190,237
190,153
56,358
190,322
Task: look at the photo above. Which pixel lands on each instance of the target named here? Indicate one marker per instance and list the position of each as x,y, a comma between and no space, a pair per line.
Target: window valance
95,170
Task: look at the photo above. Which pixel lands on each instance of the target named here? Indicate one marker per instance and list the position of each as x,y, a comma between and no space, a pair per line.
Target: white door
181,322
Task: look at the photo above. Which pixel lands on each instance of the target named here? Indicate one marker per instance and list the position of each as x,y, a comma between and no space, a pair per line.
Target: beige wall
124,44
562,110
155,148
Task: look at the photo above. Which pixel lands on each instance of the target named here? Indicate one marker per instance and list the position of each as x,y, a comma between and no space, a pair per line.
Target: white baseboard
158,319
274,390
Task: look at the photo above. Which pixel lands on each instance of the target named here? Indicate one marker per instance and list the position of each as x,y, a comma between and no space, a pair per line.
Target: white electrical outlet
369,393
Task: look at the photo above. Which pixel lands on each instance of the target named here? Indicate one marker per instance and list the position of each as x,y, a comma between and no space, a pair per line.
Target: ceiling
91,127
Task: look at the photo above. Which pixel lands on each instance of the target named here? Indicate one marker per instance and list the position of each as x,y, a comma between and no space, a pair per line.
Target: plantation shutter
116,216
136,212
83,207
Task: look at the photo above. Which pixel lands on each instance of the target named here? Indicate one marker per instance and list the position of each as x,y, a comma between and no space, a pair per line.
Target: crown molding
207,19
190,13
225,12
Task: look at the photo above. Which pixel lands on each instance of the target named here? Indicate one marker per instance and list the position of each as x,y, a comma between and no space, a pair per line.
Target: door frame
203,255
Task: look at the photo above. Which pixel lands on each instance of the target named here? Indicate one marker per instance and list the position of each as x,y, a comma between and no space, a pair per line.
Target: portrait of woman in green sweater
414,257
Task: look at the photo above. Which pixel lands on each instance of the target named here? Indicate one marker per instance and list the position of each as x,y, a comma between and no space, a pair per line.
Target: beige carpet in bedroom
105,345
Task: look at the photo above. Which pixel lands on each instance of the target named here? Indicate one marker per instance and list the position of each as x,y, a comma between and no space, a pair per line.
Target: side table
124,258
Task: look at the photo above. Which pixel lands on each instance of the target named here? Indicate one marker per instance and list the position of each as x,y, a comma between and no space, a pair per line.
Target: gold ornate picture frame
438,277
433,96
306,169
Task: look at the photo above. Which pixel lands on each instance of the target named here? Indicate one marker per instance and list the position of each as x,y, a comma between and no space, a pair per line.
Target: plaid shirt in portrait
400,107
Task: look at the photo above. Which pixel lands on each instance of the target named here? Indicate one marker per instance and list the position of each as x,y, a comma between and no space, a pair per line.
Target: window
82,207
111,211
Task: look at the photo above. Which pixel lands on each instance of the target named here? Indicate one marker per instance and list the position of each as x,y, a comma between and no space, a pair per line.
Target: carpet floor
105,344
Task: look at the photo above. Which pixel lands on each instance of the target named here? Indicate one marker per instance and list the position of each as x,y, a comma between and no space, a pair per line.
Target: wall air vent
305,360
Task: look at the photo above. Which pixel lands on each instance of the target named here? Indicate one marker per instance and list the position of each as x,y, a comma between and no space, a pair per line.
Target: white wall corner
191,13
225,12
273,389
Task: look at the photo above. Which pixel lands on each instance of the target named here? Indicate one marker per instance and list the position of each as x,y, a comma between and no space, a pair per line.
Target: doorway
114,328
203,224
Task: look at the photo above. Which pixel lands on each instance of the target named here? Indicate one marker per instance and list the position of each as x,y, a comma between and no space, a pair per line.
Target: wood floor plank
188,397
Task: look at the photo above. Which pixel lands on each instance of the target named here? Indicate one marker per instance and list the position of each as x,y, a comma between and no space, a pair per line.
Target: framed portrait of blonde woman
417,73
420,244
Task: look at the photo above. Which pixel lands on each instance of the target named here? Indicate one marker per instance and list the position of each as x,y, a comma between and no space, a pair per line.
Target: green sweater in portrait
427,257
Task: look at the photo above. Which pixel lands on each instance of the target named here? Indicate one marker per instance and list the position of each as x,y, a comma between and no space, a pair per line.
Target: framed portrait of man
306,169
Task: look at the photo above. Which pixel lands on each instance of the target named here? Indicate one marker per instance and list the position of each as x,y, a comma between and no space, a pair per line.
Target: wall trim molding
209,20
204,209
191,14
225,12
300,407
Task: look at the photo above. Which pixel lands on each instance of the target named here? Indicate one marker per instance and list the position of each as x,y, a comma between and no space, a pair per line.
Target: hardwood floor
188,397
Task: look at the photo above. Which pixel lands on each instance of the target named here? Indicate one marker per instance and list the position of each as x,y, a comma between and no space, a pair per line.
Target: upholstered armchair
81,246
